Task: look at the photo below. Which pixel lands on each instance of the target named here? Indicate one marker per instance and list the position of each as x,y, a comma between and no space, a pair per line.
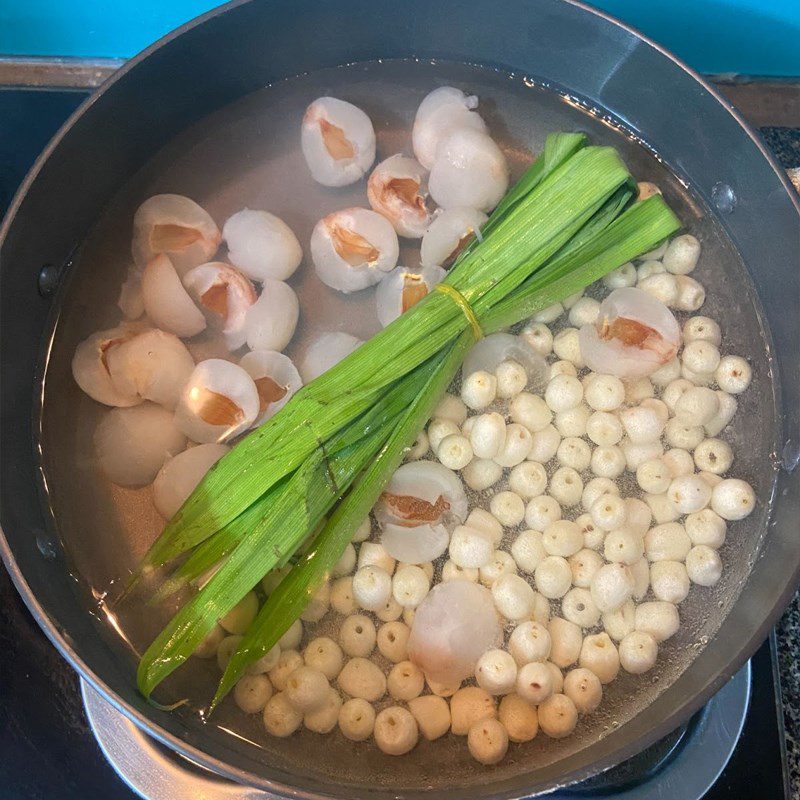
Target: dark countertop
788,636
785,143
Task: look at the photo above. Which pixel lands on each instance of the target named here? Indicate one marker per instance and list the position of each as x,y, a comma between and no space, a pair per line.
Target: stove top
735,745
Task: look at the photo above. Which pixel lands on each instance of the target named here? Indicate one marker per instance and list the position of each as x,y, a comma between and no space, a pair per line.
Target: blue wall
755,37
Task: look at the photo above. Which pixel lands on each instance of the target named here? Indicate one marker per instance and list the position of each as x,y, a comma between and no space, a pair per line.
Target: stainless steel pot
592,60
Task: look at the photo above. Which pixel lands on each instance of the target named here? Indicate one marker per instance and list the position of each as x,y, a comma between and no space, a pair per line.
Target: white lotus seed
667,542
356,719
638,389
558,716
578,607
670,581
567,346
324,655
566,640
703,565
600,656
496,672
678,462
538,337
481,520
733,374
608,462
306,688
544,445
452,408
618,624
373,554
553,577
566,486
487,435
691,294
609,512
519,718
280,717
534,682
639,515
604,392
572,422
697,406
642,425
563,368
481,473
432,714
362,678
703,328
662,286
479,390
622,546
405,681
487,741
700,356
595,489
500,564
706,527
516,446
541,511
528,550
372,587
574,453
650,266
682,254
612,585
513,597
638,652
252,692
410,585
653,476
584,565
657,618
531,411
679,434
662,508
395,731
620,277
511,379
689,493
669,372
604,429
529,641
564,392
470,548
528,480
454,451
357,636
468,706
562,538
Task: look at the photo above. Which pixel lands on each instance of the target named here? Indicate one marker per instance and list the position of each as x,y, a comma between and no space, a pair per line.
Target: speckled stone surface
788,632
785,143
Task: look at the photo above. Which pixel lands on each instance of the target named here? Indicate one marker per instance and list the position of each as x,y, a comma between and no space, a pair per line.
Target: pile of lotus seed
600,495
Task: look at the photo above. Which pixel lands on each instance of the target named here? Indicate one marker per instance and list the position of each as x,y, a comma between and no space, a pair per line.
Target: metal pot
747,205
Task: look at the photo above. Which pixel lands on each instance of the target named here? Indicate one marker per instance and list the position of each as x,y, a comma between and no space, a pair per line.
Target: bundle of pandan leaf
318,466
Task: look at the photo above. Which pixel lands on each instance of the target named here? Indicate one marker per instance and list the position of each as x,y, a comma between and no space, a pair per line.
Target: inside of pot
248,155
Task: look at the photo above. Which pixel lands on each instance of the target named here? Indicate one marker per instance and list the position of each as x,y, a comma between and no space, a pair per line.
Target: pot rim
243,776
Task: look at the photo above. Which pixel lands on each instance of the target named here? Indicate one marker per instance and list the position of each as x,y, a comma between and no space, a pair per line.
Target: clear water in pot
248,155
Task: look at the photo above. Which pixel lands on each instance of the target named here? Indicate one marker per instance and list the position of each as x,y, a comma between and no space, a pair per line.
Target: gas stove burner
149,768
641,767
683,765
